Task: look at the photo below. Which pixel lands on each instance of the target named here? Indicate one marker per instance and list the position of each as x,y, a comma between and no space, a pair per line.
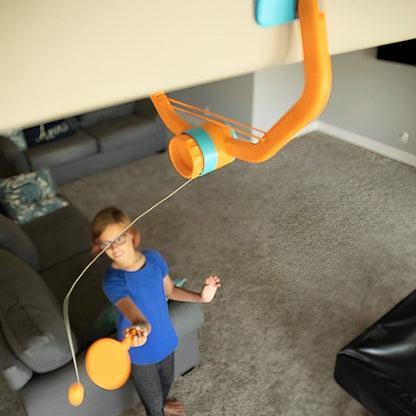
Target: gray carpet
312,247
10,402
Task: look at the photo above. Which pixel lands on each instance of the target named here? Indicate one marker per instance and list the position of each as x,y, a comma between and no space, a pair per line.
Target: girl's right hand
137,333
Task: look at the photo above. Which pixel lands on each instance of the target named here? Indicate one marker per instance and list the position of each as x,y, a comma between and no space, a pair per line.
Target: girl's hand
209,290
137,333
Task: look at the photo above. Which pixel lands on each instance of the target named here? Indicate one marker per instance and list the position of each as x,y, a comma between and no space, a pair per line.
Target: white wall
373,98
275,91
370,98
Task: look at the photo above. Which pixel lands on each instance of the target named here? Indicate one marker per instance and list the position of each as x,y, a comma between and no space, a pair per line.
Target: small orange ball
76,394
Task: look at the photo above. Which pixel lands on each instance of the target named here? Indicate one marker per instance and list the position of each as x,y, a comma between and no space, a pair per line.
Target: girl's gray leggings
152,382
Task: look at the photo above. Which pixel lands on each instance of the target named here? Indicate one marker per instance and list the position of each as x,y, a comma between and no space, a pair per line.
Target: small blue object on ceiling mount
275,12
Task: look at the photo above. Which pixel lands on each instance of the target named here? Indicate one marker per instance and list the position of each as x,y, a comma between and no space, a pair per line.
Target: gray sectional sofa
77,146
39,262
42,255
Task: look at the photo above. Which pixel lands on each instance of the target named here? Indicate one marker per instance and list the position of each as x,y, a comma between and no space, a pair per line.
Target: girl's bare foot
173,407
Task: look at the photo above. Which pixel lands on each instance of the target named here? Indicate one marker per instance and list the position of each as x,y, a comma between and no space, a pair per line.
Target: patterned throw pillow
49,132
29,195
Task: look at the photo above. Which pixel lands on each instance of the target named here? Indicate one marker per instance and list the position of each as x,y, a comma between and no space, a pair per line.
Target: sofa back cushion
50,132
30,317
109,113
13,239
59,236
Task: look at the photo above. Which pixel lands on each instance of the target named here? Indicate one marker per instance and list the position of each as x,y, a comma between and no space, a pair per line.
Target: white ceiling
65,57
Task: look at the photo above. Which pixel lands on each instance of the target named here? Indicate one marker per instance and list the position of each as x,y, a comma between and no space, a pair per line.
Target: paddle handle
129,336
127,342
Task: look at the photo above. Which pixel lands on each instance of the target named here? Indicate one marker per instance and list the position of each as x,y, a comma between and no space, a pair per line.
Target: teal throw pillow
29,195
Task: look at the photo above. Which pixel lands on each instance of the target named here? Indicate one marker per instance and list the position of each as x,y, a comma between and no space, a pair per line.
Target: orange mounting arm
317,88
173,122
199,150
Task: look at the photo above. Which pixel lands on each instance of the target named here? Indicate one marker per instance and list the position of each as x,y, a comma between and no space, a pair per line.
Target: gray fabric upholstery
60,151
58,236
105,138
13,239
98,401
145,108
30,317
98,161
87,301
186,353
47,396
109,113
16,373
122,132
186,317
13,161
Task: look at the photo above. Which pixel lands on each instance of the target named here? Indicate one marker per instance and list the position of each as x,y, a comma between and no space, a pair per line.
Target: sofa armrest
12,160
30,317
186,317
15,372
13,239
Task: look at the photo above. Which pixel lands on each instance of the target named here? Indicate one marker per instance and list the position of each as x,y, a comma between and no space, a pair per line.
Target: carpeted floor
312,247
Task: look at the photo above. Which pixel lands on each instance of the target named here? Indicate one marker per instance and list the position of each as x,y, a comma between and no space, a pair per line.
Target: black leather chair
378,368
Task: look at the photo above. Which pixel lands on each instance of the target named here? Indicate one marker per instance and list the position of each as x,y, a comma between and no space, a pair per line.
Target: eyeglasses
118,242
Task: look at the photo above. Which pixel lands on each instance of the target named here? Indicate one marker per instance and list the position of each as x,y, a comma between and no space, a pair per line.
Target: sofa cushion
16,373
49,132
87,301
30,195
13,239
30,317
145,108
12,160
71,148
109,113
71,227
122,132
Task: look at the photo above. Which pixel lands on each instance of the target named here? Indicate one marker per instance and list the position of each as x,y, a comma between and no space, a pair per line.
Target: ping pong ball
76,394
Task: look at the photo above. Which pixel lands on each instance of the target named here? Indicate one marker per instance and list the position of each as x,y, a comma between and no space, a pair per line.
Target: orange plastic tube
317,89
188,157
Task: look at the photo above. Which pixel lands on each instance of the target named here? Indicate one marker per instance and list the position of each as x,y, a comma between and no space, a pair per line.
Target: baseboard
362,141
310,128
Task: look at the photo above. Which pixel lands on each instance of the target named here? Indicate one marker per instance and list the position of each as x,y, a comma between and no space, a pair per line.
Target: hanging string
180,106
66,300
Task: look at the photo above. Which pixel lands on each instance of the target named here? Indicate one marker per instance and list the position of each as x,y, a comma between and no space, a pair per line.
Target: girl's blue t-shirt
145,287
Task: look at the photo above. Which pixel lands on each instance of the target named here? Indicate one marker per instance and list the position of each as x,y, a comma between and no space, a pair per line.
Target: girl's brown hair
106,217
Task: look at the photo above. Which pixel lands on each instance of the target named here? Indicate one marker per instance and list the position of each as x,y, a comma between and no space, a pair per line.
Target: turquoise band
207,146
275,12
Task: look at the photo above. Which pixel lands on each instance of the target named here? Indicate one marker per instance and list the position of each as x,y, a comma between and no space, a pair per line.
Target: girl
138,283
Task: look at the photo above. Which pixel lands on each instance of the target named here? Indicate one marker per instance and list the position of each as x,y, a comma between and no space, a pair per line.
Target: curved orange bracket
187,152
317,89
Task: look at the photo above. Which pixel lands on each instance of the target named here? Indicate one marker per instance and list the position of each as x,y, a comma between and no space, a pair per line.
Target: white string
66,300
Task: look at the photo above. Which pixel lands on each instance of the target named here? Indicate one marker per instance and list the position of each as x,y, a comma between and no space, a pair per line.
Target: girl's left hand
212,283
